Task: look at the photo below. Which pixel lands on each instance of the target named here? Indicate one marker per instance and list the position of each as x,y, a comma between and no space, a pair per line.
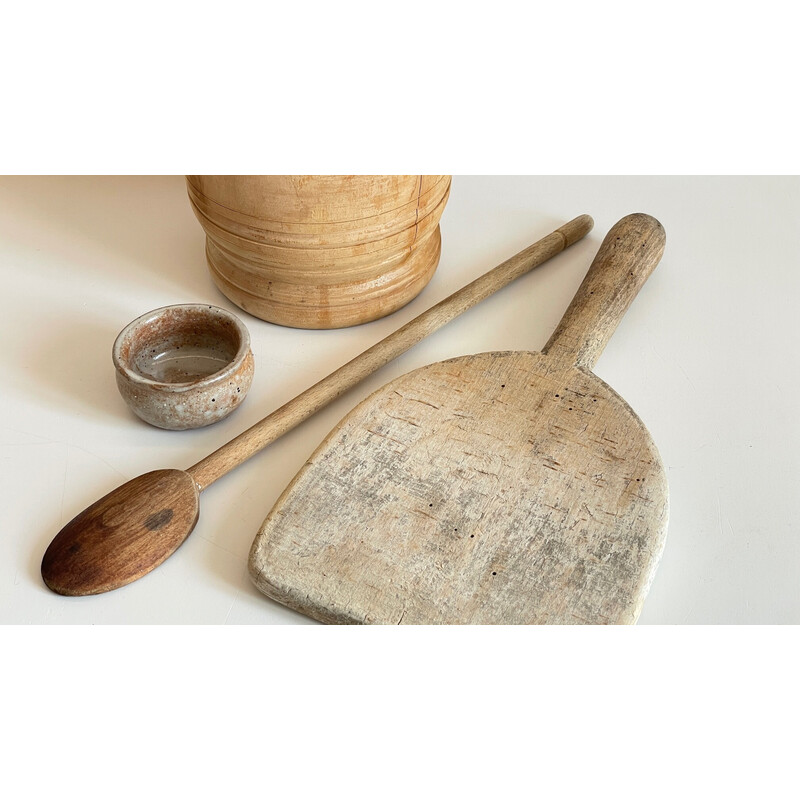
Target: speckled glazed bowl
184,366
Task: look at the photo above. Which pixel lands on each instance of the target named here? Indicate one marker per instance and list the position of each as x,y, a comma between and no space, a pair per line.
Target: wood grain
136,527
500,488
320,251
376,225
334,385
124,535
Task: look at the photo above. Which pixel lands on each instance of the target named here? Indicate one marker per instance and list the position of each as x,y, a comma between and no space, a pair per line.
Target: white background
707,356
618,88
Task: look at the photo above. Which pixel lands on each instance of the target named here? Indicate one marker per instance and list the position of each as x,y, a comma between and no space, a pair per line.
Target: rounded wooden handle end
576,229
629,253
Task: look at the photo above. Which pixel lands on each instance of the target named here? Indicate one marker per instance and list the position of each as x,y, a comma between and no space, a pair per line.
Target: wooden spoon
132,530
505,488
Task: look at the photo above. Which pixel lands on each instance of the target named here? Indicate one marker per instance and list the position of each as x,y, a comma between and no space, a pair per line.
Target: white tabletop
706,356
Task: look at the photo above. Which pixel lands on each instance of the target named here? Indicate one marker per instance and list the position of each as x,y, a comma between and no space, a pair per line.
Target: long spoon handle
294,412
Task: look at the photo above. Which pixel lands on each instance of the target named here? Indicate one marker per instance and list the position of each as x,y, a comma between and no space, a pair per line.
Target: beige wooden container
320,251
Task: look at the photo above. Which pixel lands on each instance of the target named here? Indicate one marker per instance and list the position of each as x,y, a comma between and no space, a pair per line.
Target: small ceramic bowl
184,366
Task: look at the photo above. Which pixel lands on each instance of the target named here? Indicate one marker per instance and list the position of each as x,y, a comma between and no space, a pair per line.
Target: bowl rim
231,368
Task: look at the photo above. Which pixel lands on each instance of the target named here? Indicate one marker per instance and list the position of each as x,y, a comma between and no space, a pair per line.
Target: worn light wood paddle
508,487
132,530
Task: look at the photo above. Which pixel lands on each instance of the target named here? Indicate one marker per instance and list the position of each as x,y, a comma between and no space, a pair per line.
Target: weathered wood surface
497,488
320,251
133,529
348,375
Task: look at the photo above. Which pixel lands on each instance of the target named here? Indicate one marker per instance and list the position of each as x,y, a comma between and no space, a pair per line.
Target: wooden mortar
320,251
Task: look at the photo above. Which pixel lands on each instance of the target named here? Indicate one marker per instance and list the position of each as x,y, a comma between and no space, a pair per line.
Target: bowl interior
181,344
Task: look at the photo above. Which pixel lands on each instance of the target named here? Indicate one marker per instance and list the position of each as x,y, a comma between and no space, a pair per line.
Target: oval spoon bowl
123,535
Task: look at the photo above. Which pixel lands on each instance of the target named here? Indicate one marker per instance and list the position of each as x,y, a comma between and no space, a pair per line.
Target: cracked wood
503,488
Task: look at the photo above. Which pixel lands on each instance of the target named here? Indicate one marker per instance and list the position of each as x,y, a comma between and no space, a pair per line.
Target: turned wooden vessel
320,251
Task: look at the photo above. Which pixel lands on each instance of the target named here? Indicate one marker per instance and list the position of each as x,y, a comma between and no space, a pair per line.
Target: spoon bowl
124,535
